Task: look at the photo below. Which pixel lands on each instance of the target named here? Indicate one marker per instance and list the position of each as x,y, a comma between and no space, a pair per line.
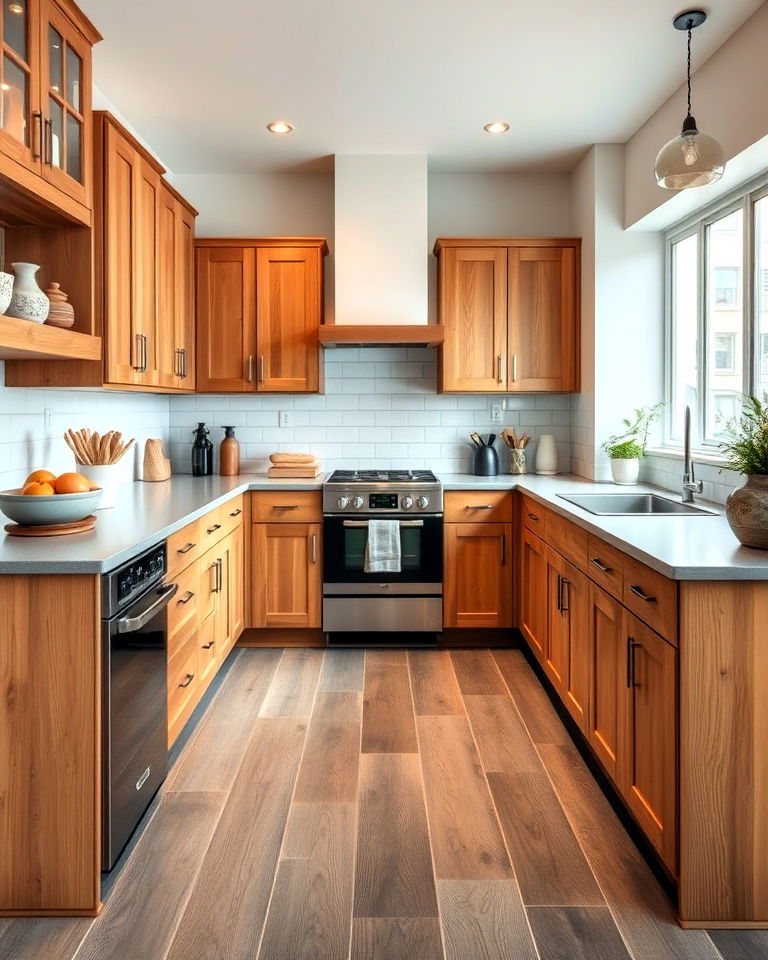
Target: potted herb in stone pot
747,450
625,450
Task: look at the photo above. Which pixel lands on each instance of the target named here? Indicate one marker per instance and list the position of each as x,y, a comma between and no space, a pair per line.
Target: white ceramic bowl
6,289
42,511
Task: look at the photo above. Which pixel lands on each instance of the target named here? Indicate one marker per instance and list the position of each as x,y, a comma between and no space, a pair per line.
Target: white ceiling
201,78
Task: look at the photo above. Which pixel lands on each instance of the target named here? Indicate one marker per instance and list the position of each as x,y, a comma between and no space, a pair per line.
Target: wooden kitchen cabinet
648,776
259,310
607,715
575,611
510,308
46,125
478,575
286,576
534,584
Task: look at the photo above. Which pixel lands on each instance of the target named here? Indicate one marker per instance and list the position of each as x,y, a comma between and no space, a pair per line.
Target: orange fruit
40,476
37,489
72,483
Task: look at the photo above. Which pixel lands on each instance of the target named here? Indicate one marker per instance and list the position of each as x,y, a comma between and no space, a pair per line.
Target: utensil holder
486,463
517,464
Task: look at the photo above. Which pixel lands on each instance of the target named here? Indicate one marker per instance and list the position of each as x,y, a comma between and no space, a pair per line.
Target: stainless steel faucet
690,484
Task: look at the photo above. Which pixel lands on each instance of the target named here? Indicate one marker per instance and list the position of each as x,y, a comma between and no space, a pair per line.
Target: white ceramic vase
106,476
28,302
546,456
625,472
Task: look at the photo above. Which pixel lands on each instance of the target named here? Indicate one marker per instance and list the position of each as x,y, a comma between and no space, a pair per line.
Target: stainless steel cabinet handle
137,366
251,361
498,368
185,597
214,528
184,362
187,680
37,135
144,356
565,598
514,367
632,645
638,592
219,575
314,548
132,624
261,369
207,646
600,565
186,548
177,362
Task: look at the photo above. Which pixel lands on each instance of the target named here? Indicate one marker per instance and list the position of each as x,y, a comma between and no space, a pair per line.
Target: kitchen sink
633,505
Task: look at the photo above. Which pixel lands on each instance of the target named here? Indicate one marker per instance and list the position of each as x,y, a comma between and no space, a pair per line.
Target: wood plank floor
382,806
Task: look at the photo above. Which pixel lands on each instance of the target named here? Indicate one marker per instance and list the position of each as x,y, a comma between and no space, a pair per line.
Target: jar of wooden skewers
516,446
98,458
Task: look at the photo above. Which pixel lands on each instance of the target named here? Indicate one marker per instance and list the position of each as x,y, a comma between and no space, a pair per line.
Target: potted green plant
747,451
625,450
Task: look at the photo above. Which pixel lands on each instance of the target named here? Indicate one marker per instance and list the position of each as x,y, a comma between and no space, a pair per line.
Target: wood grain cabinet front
478,575
533,593
510,309
285,580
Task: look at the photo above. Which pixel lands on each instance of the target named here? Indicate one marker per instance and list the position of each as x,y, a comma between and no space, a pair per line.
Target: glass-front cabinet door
20,118
66,104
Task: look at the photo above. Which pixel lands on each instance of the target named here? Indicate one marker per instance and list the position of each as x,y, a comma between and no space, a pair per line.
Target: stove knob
342,503
357,503
407,503
423,503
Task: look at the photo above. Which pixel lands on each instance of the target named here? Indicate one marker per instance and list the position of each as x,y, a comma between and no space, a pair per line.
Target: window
718,315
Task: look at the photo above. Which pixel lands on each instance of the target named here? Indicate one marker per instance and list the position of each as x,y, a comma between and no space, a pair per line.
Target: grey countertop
697,547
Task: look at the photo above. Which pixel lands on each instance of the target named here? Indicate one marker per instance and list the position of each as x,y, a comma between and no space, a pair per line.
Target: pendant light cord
690,31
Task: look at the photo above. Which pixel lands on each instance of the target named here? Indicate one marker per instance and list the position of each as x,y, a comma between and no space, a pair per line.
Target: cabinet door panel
147,214
575,594
236,584
543,342
649,781
608,680
286,579
288,315
20,124
184,320
478,575
167,288
556,659
533,593
473,310
226,319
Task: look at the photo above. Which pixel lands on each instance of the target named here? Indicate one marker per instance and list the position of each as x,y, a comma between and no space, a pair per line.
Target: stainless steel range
366,608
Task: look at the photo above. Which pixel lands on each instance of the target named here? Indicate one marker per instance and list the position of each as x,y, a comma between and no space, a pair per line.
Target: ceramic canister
28,302
546,456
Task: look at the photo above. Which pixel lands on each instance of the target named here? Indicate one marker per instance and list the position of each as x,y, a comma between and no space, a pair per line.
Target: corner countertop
698,547
144,514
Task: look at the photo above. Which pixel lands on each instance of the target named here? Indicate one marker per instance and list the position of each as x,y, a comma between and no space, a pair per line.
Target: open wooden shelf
413,335
22,340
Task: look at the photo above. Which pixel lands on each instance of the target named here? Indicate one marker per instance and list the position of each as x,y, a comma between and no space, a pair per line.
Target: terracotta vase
746,510
61,313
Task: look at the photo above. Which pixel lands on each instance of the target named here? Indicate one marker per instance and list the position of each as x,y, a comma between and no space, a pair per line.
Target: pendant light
693,159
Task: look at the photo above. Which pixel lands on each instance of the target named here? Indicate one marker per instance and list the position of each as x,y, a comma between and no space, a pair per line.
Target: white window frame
743,199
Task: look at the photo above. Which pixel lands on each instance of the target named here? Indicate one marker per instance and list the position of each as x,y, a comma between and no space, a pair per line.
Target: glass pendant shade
691,160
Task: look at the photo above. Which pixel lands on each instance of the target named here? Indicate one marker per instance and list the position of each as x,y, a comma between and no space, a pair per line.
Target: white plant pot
625,472
106,476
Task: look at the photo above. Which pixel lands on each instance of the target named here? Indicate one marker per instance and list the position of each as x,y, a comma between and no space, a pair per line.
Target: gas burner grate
382,476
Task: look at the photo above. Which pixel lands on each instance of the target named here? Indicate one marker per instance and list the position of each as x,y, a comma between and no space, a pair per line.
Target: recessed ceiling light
280,126
497,126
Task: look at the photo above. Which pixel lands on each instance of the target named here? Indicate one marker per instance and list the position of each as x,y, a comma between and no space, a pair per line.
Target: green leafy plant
747,443
630,444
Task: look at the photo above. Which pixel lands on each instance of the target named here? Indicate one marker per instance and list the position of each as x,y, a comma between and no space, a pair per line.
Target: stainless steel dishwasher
134,694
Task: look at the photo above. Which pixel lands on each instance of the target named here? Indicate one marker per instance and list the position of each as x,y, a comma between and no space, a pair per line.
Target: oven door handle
364,523
132,624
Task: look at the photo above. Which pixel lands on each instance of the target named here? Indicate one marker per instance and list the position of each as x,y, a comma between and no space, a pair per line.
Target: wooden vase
156,466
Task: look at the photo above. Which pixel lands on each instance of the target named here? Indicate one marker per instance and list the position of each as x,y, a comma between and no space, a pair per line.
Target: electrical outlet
286,418
495,413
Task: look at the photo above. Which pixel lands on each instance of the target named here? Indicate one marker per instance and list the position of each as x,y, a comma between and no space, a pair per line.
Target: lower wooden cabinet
285,578
478,575
648,776
607,680
534,611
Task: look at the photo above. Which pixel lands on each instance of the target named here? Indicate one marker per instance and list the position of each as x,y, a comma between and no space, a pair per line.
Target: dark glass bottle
202,453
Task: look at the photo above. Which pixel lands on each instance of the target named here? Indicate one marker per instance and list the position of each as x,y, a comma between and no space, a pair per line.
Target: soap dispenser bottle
229,454
202,452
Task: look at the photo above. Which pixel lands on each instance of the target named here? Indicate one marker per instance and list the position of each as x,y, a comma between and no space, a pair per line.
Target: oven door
421,549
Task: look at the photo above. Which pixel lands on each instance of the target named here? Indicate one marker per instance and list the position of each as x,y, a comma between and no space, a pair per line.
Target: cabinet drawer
213,527
183,547
183,686
299,506
606,566
651,597
477,506
532,514
231,514
183,609
568,539
207,651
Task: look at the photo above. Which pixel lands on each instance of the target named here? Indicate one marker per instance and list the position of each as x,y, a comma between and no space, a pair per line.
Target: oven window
355,539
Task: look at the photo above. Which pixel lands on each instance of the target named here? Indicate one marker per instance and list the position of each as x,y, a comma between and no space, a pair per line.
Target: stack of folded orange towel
298,466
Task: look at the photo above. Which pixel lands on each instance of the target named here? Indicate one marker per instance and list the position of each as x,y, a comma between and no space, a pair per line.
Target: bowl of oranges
46,499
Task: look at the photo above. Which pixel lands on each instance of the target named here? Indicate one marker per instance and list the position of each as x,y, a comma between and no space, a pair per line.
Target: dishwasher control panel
122,585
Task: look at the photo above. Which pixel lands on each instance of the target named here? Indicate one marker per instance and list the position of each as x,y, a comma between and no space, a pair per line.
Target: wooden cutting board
52,529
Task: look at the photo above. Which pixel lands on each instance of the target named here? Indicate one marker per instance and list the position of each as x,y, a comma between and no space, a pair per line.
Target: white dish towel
382,550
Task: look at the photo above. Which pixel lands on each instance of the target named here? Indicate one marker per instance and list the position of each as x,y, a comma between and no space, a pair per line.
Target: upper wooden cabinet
259,310
510,309
45,123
